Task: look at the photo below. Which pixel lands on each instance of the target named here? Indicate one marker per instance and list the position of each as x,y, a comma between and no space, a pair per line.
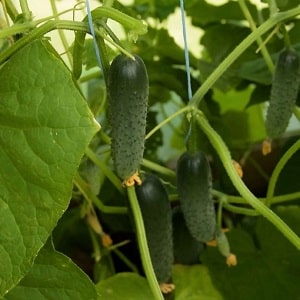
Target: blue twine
187,64
91,26
186,50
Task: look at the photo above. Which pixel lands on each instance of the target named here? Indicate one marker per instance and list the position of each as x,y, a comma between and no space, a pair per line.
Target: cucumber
284,91
187,250
224,248
194,184
157,216
128,88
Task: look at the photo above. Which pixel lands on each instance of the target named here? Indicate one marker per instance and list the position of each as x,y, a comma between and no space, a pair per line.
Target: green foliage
58,181
124,286
45,127
53,276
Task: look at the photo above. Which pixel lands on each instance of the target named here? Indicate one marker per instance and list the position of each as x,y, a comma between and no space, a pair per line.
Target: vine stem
275,199
241,210
25,10
39,32
85,190
261,45
272,6
230,59
10,8
105,169
274,177
142,242
167,120
225,157
60,32
125,260
158,168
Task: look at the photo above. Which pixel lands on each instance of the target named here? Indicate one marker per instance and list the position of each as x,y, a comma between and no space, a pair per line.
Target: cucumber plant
25,132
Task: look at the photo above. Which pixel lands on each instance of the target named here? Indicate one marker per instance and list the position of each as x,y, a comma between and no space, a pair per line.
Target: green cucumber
194,184
128,89
284,91
187,250
224,248
157,216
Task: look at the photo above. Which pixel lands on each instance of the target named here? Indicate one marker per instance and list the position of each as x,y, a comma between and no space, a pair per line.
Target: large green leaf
45,126
124,286
53,276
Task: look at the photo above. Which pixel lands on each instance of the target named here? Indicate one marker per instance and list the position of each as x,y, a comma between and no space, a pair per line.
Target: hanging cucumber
128,99
157,216
284,90
194,185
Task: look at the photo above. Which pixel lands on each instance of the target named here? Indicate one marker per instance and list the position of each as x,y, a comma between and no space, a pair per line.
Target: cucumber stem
280,165
126,261
262,47
158,168
105,169
25,10
286,38
38,33
61,32
275,199
192,137
85,190
142,242
9,7
137,27
167,120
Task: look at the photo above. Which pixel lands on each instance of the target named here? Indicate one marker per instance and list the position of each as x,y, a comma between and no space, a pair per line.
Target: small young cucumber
194,184
157,216
128,99
224,248
284,92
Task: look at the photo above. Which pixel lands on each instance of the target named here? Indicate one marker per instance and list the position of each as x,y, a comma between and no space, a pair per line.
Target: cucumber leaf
124,286
45,126
53,276
193,283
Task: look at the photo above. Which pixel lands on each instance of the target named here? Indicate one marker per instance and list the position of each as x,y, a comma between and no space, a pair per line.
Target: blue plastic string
91,26
186,50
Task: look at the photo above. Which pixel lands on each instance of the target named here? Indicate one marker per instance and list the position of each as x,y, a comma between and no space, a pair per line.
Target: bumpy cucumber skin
128,89
187,250
284,90
157,217
194,184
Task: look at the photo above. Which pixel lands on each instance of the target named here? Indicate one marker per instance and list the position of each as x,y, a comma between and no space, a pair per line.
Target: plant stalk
142,242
